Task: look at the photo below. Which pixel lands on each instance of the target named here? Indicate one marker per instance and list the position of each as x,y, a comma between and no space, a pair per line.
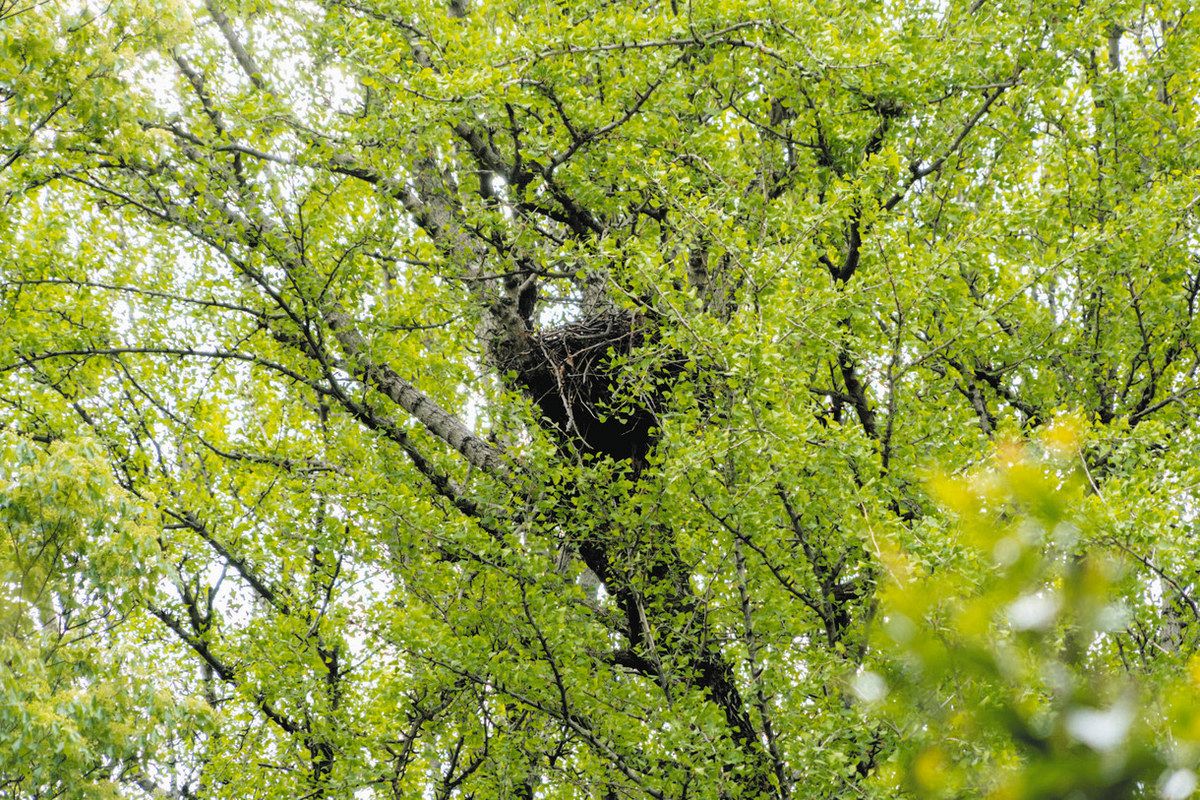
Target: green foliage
76,560
998,675
462,399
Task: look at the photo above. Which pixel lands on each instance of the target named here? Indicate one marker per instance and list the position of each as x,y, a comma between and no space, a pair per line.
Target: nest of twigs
569,373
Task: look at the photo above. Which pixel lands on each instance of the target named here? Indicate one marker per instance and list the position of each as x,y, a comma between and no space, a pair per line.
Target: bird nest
571,374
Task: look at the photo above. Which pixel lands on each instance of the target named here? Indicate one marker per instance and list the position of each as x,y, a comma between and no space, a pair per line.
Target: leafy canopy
450,398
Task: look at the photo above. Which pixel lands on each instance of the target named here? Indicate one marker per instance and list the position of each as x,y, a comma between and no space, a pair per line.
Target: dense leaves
1006,680
492,399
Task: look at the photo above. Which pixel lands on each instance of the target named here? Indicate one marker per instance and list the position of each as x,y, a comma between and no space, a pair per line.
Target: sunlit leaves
996,679
77,558
863,243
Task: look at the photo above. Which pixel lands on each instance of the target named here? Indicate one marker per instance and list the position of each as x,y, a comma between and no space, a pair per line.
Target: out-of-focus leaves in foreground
76,556
997,674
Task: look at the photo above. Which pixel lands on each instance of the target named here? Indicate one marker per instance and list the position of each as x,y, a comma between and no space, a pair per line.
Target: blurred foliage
78,557
999,675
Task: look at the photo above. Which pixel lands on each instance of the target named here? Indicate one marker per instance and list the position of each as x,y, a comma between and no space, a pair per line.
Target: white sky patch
1178,784
870,687
1035,611
1101,729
